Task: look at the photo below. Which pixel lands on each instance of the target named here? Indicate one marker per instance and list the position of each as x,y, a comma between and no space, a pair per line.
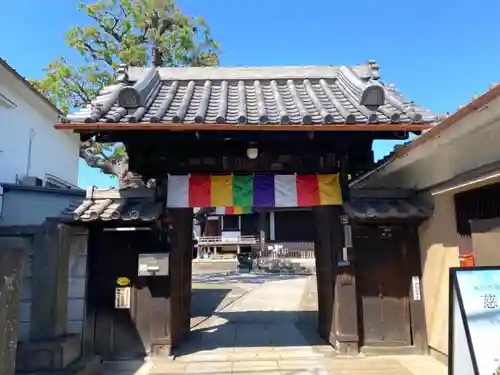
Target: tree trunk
126,178
157,59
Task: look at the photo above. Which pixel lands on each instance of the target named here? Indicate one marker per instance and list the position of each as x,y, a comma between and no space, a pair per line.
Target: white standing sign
474,321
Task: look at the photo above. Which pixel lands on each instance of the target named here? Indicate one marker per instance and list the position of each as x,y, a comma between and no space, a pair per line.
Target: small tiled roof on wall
261,95
366,209
115,204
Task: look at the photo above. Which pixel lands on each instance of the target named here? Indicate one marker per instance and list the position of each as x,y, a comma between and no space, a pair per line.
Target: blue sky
439,53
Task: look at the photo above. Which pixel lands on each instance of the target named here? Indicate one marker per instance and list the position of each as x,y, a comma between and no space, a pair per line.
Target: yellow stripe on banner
221,191
330,192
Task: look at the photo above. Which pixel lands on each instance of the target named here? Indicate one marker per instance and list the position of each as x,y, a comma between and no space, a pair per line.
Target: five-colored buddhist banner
236,210
256,190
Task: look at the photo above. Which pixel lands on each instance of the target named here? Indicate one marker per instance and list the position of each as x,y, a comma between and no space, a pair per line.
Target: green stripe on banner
243,191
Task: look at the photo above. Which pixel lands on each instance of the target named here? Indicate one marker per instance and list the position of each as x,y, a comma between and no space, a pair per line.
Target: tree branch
95,55
110,30
81,94
95,162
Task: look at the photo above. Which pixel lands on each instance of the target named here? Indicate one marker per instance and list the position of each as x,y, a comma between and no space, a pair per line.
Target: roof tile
370,209
272,95
108,205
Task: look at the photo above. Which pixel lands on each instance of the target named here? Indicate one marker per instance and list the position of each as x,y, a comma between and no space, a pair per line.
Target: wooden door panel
394,287
396,322
116,335
382,286
370,309
371,321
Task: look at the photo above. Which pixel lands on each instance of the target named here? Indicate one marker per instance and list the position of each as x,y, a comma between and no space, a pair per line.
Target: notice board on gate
474,321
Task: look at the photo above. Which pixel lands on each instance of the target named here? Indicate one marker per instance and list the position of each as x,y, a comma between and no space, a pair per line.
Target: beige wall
439,251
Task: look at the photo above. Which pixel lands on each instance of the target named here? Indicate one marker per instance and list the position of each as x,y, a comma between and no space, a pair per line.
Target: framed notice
474,321
122,297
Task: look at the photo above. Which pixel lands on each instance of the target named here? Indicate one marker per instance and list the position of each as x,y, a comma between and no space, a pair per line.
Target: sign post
474,321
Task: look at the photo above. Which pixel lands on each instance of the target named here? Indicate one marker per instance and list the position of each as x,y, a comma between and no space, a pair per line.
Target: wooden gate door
116,331
382,283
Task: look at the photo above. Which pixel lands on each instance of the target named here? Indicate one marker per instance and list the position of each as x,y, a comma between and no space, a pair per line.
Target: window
294,226
250,225
53,186
231,222
480,203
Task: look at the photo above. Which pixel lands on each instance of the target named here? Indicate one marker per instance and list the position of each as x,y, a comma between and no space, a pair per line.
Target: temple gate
226,137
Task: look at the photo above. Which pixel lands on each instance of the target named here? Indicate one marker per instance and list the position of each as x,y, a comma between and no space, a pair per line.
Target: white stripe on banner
220,210
285,191
178,191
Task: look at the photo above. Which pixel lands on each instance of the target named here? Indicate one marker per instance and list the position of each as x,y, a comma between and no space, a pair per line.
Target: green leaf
124,31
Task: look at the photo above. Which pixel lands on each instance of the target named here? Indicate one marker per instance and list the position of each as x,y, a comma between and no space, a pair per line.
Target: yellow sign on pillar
123,281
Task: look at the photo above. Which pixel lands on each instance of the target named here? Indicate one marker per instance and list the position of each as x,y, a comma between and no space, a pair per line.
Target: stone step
83,366
47,355
129,366
249,355
388,350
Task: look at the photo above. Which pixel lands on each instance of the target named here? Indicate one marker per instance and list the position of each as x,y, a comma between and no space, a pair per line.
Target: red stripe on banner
307,190
229,211
199,191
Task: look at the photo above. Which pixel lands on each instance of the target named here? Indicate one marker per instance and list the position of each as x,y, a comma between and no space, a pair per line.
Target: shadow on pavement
255,329
242,278
205,301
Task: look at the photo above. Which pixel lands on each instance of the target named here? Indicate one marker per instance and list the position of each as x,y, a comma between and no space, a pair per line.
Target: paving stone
245,356
203,358
269,331
264,372
317,371
300,364
255,366
168,368
208,367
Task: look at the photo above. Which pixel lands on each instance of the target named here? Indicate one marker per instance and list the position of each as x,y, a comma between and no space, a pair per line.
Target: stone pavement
268,328
391,365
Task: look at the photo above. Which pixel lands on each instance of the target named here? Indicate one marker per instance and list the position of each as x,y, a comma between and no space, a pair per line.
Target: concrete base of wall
48,355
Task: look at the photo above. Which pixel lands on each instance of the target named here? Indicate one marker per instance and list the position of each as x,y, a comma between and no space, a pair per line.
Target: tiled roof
265,95
376,209
113,204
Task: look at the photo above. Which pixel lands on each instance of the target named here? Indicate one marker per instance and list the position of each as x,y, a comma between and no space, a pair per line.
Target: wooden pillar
336,285
11,262
417,307
346,307
325,250
49,304
345,300
180,274
346,318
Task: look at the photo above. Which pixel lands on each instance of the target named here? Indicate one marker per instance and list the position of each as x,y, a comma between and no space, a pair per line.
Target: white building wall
52,151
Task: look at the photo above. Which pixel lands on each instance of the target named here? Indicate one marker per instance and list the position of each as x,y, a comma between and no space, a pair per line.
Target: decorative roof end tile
133,97
373,96
375,69
122,74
